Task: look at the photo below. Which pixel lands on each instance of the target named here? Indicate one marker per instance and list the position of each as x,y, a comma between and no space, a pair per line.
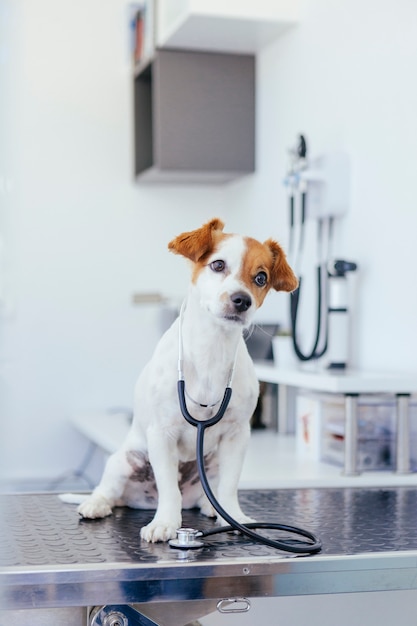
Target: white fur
159,431
72,498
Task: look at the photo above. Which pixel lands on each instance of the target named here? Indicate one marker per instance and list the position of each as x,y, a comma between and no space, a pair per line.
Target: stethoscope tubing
313,546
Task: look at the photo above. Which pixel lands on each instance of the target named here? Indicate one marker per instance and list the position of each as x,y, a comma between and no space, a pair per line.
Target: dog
155,468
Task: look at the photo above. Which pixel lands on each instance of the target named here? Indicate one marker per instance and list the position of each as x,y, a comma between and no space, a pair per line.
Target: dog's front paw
95,507
159,530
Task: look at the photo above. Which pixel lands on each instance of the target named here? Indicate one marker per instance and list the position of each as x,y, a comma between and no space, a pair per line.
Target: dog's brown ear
282,276
196,243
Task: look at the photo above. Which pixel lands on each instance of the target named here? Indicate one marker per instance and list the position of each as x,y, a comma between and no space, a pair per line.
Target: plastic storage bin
320,430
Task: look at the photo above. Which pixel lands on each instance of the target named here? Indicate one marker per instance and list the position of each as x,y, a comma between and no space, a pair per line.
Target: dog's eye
261,279
218,266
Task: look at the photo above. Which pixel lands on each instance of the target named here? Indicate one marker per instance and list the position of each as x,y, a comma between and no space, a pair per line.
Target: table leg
403,434
351,435
286,409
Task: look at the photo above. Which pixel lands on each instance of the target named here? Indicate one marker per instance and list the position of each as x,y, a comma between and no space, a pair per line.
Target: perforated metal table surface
51,558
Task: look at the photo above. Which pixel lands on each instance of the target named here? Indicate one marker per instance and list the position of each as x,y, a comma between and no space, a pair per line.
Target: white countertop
271,460
332,381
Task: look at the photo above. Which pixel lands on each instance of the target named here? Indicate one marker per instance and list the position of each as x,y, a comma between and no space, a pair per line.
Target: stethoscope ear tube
190,419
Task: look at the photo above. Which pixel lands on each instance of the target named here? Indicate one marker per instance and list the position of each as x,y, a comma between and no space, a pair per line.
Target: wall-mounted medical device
338,323
327,183
319,190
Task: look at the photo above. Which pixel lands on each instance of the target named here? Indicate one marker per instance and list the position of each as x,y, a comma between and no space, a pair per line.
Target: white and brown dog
156,465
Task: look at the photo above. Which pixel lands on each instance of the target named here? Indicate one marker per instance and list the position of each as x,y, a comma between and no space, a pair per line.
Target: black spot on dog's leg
142,469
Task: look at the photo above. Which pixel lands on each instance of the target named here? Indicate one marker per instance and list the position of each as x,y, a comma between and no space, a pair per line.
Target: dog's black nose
241,301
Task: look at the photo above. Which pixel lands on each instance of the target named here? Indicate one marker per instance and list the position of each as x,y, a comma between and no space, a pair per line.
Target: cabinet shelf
195,117
240,26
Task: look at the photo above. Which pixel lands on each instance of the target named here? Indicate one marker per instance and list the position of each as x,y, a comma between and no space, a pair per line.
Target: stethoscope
188,538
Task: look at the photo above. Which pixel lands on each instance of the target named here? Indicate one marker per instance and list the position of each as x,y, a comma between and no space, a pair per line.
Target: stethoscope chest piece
186,539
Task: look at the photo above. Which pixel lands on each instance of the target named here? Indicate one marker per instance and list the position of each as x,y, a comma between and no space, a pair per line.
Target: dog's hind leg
205,506
109,492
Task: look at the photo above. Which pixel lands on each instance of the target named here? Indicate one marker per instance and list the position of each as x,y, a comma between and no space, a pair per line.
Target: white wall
82,237
344,78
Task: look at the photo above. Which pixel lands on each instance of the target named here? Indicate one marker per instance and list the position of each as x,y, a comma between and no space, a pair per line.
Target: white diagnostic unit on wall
327,183
319,190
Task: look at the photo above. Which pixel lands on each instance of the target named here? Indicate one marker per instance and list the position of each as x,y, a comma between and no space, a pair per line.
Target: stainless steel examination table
58,569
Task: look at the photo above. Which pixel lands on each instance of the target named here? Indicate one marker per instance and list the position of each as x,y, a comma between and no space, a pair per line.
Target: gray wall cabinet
195,117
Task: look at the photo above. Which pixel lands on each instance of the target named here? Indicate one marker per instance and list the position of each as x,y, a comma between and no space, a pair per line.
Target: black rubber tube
295,297
311,547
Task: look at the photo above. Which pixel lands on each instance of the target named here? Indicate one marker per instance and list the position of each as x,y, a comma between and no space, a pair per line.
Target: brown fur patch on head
282,276
269,258
257,258
196,244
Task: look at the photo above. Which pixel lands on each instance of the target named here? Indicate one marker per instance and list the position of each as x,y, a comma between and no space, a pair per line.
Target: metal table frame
369,544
